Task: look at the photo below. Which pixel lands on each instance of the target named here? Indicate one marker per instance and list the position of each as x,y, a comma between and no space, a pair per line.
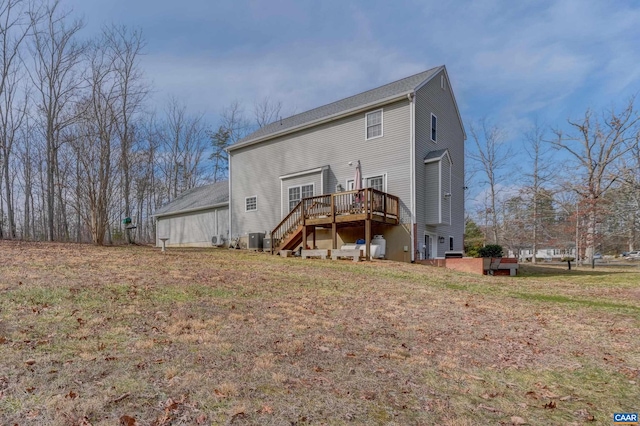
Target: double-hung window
297,193
374,124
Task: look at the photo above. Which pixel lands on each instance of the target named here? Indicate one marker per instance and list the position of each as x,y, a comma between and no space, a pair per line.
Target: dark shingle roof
390,90
436,155
198,198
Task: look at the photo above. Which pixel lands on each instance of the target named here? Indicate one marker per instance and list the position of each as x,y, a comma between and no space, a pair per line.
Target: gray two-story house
296,178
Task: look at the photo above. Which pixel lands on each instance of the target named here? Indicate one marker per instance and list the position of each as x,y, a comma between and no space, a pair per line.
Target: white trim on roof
302,173
439,158
174,213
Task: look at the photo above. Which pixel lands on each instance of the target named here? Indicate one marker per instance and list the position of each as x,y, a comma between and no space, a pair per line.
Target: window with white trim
450,243
297,193
375,182
374,124
251,204
434,128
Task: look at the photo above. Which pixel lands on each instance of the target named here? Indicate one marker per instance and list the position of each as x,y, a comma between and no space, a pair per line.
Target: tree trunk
51,161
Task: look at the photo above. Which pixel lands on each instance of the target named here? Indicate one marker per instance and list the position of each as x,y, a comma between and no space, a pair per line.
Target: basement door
429,249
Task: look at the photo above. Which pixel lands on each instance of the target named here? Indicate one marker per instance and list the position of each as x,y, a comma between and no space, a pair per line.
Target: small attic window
442,82
434,128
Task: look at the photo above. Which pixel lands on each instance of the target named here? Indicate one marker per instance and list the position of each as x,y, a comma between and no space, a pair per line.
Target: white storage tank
382,245
378,247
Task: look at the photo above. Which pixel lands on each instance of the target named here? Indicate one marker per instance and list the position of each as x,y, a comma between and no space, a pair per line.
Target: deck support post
304,237
367,237
334,236
314,238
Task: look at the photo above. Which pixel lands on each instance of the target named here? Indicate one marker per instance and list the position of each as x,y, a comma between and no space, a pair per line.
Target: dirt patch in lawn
95,335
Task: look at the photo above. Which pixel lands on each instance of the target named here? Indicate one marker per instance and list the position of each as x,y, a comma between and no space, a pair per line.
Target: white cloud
537,56
302,76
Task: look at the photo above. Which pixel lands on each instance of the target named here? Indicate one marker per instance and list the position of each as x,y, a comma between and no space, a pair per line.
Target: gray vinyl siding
430,188
256,169
432,99
193,229
445,178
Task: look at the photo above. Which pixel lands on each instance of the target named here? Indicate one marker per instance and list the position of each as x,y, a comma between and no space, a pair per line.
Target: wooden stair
292,240
288,234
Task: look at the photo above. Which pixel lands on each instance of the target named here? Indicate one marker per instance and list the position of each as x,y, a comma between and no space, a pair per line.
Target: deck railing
367,201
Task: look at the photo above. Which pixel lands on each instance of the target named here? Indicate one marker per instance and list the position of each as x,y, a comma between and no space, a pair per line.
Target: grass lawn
126,335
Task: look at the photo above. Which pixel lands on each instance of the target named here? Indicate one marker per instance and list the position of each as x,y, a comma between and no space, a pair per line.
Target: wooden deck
351,208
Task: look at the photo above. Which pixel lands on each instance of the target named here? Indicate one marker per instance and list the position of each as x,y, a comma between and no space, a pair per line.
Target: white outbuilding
199,217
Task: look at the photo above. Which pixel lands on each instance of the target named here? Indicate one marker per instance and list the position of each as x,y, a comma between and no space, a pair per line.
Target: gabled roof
437,155
200,198
370,98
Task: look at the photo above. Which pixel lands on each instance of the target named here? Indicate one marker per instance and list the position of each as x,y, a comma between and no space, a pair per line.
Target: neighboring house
547,254
296,176
195,217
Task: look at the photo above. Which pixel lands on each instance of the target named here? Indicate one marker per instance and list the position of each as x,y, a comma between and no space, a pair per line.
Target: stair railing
291,221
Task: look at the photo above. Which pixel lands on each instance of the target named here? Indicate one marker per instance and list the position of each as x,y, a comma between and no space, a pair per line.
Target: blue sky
510,61
507,60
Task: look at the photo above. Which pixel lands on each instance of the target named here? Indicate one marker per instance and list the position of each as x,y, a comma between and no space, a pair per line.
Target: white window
434,128
297,193
374,124
251,204
375,182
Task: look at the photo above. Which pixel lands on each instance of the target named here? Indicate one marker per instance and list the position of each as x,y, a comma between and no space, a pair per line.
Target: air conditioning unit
255,240
217,241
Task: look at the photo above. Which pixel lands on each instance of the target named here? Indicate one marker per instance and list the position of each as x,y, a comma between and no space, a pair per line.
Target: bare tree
94,140
266,111
183,142
14,30
124,48
57,55
541,174
233,127
627,199
26,158
491,158
596,146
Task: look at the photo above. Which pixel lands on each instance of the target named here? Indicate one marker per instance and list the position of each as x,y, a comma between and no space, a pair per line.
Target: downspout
412,170
230,236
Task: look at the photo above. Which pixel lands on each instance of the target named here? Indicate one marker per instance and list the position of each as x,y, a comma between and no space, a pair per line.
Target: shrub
472,251
491,250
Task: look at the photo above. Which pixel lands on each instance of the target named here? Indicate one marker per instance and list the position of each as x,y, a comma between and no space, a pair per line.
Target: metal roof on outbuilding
370,97
199,198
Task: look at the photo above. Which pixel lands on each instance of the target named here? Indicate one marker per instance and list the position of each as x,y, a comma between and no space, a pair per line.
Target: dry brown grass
90,334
